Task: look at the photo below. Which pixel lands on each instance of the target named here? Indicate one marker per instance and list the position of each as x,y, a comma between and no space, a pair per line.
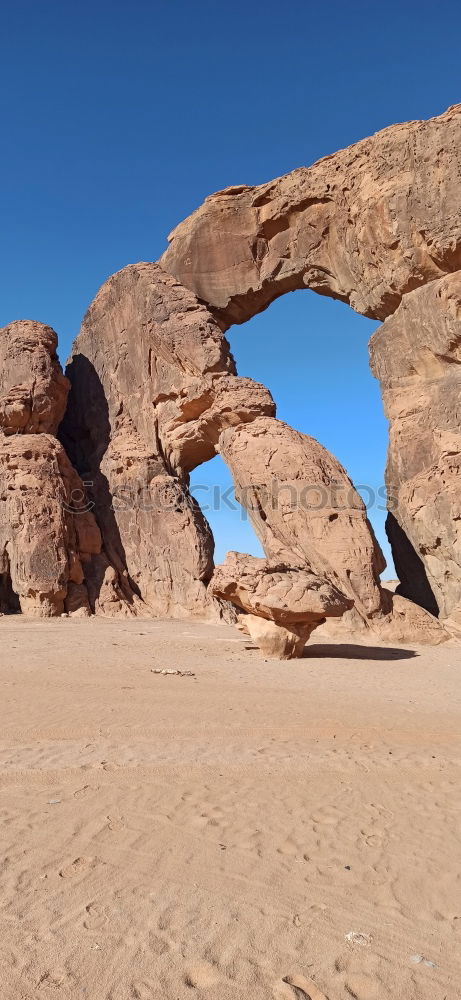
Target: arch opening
311,352
212,486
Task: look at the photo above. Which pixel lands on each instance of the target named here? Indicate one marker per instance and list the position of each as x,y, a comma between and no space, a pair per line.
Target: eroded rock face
304,508
377,225
407,622
33,389
284,603
280,642
51,558
43,544
416,355
318,543
284,593
155,393
402,620
153,386
365,225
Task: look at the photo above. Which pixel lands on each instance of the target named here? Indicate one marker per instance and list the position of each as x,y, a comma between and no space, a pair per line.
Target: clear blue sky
118,118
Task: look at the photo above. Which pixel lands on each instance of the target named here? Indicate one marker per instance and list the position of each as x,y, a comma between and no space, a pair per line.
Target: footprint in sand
79,792
52,978
158,945
372,839
363,987
116,823
143,991
199,975
298,987
327,816
95,917
77,866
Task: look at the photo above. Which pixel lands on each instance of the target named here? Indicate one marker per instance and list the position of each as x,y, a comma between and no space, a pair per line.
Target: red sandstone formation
153,386
50,545
155,393
305,510
33,389
365,225
283,603
416,354
370,225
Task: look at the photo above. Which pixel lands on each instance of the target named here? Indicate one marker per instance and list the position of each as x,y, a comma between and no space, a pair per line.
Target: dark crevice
410,568
9,600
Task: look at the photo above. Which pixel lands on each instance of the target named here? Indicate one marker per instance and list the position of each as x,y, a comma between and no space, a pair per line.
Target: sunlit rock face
416,354
153,386
365,225
377,225
304,508
155,392
33,389
283,603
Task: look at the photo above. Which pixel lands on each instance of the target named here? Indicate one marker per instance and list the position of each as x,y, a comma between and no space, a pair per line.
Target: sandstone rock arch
154,390
377,225
365,225
155,393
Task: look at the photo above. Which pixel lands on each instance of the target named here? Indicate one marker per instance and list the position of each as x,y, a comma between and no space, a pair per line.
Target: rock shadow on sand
353,651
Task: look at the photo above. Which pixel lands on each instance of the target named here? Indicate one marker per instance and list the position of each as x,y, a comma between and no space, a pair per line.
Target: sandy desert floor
262,830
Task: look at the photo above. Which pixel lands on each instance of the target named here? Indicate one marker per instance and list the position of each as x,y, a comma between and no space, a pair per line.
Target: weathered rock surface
284,593
365,225
416,355
51,558
304,508
284,603
407,622
155,393
153,386
43,544
376,225
280,642
403,621
33,389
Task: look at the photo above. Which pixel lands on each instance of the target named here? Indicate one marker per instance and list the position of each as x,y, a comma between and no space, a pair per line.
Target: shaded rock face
305,510
365,225
153,386
416,354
